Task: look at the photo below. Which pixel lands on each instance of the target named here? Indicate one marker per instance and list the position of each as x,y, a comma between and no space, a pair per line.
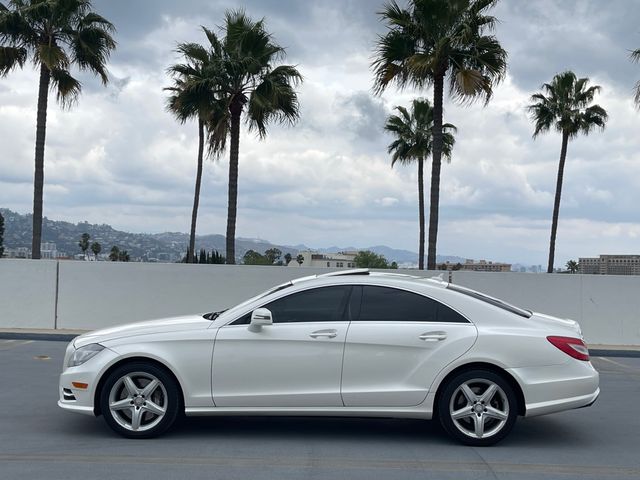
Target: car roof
365,272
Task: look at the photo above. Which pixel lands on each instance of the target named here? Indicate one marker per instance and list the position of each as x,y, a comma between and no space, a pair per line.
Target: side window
384,304
243,320
324,304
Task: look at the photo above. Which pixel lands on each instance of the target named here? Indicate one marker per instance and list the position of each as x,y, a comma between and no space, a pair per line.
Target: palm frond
66,87
193,52
10,58
218,124
274,99
52,56
91,47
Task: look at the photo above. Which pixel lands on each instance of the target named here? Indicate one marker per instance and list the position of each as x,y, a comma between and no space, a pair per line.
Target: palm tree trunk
38,177
556,204
196,195
236,112
438,91
421,212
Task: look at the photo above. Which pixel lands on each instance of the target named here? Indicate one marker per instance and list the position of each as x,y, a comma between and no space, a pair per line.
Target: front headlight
83,354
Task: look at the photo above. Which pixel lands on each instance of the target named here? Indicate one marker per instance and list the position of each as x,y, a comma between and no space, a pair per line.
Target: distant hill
168,246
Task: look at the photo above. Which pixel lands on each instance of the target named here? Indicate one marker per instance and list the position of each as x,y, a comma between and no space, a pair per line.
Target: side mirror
259,318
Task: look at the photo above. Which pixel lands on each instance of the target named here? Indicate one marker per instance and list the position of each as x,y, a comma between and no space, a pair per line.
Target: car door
397,343
296,362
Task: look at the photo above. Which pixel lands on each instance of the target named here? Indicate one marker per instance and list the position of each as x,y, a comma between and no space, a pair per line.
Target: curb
51,337
614,353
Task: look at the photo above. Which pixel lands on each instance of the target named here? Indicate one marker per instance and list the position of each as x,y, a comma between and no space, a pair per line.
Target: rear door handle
433,336
324,334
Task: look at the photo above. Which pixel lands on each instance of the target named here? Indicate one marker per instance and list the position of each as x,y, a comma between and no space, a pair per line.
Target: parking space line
614,362
7,344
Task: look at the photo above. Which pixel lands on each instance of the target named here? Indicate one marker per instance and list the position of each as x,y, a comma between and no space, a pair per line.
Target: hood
173,324
558,326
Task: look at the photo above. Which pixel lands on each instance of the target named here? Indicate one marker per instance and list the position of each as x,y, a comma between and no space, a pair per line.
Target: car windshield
496,302
240,306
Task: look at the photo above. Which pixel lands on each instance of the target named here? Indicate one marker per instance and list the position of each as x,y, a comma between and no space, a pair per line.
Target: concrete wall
96,294
27,294
607,307
93,295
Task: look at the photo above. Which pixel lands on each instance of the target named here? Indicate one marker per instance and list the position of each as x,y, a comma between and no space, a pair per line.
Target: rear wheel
477,407
140,400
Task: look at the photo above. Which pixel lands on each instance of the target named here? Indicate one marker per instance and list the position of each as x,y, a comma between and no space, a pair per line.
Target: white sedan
351,343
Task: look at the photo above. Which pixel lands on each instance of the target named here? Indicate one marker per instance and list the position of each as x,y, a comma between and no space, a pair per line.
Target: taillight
574,347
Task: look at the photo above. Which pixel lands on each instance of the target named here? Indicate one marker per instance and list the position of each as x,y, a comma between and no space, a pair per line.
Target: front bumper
556,388
81,400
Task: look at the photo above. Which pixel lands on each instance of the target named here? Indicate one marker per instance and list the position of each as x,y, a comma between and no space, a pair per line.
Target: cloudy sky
118,157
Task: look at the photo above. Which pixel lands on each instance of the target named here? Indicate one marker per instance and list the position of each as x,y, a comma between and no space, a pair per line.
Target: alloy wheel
138,401
479,408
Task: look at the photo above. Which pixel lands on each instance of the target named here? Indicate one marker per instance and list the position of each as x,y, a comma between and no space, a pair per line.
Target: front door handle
433,336
324,334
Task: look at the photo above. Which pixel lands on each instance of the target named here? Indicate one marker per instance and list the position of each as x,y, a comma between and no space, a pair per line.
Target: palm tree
114,255
1,235
572,266
96,248
84,244
414,143
565,105
193,97
55,34
428,43
248,81
635,57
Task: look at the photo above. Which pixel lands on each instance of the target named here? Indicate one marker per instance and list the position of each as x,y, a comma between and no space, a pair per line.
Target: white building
326,260
48,250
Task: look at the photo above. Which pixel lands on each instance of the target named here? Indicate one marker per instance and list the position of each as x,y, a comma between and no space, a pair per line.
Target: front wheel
477,407
139,400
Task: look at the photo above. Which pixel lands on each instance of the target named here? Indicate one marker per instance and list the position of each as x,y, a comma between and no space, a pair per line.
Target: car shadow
293,428
548,432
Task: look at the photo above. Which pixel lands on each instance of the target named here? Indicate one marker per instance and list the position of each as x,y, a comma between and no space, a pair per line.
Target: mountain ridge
165,246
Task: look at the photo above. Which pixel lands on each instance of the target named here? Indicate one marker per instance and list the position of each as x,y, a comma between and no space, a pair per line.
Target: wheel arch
483,366
96,398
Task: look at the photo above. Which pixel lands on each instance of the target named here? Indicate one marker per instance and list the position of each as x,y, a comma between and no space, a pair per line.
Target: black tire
464,429
165,395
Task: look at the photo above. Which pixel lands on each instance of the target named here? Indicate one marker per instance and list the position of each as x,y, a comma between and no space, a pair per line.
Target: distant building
48,250
479,266
18,252
610,265
326,260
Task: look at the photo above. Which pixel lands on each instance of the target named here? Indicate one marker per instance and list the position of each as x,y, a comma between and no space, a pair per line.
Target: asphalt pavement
39,440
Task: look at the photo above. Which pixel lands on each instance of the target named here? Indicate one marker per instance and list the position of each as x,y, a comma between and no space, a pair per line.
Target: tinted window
325,304
496,302
383,304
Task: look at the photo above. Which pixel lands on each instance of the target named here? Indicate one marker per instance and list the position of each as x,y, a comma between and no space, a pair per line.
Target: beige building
610,265
326,260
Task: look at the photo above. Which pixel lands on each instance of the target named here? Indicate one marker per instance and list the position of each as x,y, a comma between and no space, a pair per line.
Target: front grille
68,395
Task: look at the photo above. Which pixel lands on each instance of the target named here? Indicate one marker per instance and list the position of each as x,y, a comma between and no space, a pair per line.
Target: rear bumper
552,406
556,388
